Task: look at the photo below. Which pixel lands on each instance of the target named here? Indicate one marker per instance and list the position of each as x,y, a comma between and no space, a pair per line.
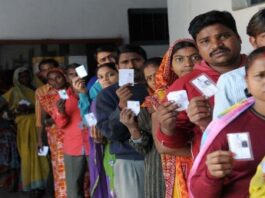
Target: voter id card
240,145
81,71
63,95
126,76
91,119
134,106
205,85
180,98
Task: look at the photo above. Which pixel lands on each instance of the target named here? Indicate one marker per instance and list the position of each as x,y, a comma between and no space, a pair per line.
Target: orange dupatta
175,168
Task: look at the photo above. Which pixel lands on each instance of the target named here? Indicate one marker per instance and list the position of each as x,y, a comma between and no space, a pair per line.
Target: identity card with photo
134,106
240,145
81,71
91,119
43,151
205,85
126,76
63,95
179,97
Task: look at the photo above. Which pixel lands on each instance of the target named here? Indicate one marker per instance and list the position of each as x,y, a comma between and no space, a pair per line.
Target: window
240,4
148,26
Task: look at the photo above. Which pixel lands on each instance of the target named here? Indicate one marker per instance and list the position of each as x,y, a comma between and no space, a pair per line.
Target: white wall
180,14
58,19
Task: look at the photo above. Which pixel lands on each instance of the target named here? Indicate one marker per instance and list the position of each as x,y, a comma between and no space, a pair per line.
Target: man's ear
253,42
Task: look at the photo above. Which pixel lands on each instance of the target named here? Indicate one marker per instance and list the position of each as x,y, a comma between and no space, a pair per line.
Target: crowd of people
211,147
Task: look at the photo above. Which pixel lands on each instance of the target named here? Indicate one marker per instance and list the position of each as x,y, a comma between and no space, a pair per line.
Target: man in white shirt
231,85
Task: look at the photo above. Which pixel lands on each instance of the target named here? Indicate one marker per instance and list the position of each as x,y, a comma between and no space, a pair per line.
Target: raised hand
124,93
199,111
219,163
167,114
79,85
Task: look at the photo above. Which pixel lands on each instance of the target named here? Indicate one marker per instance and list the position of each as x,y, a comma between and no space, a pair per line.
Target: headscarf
165,76
19,92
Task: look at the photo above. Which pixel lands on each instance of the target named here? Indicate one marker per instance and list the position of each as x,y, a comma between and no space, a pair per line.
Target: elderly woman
21,100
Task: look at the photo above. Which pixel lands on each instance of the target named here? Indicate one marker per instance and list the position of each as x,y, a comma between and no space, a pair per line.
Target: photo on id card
240,145
204,85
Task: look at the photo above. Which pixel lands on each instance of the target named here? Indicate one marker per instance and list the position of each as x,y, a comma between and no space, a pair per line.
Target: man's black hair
210,18
49,61
133,49
156,61
256,24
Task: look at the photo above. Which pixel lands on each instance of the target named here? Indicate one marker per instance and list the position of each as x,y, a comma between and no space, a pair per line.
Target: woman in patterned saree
55,138
178,61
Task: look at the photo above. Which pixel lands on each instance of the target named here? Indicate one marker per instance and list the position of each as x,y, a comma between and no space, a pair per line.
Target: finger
124,92
221,167
220,153
122,88
198,104
198,117
172,107
193,111
165,104
220,174
198,98
220,160
165,112
168,118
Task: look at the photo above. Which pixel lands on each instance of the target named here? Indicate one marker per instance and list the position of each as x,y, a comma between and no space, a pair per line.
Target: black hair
131,48
210,18
155,61
71,66
49,61
106,48
109,65
253,56
256,24
181,45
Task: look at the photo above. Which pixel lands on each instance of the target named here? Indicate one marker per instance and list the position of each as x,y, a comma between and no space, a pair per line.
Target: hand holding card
134,106
126,76
81,71
240,145
180,98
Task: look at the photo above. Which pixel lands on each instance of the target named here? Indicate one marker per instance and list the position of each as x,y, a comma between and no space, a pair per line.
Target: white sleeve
221,98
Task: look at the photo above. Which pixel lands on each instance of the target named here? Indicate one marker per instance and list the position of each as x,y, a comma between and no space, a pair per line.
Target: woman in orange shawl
178,61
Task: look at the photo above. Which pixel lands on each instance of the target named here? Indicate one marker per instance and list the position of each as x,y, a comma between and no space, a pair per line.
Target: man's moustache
219,49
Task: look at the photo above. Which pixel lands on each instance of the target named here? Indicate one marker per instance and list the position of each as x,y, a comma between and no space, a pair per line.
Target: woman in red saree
178,61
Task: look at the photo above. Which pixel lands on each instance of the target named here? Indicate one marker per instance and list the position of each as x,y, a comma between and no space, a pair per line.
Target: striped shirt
231,90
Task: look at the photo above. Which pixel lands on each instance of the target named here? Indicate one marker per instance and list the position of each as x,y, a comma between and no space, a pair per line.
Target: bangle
174,141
